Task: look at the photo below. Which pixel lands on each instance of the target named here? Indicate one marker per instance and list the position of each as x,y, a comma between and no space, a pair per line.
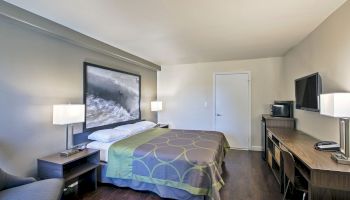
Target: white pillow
132,128
146,124
108,135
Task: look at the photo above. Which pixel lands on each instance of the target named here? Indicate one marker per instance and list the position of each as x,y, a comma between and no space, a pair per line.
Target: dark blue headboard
81,138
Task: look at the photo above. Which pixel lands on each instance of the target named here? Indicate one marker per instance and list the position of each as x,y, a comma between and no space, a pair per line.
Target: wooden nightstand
163,126
81,167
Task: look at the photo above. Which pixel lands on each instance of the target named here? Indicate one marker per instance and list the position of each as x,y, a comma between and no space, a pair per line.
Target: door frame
249,102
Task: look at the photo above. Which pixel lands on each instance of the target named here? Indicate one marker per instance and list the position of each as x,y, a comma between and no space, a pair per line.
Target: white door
232,108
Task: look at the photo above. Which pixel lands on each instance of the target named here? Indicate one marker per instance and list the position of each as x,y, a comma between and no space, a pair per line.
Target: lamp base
340,158
69,152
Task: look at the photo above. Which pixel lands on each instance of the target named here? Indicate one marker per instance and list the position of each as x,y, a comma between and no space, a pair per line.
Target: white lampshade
156,106
335,105
68,114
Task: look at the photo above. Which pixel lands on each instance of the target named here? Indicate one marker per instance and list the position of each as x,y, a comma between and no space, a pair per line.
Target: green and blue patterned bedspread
184,159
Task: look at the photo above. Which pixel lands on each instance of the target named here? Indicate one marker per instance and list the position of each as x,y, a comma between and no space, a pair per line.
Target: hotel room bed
177,164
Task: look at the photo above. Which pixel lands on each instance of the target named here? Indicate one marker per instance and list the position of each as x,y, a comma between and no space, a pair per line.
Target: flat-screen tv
307,92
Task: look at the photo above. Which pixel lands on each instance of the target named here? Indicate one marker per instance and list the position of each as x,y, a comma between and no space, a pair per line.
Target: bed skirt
162,191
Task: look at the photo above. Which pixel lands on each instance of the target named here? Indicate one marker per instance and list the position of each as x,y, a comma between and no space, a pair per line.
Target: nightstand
80,168
163,126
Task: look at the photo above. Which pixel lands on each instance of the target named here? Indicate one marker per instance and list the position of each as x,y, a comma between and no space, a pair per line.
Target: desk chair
289,170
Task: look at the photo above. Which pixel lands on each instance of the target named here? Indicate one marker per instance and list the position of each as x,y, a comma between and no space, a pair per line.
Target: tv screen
307,92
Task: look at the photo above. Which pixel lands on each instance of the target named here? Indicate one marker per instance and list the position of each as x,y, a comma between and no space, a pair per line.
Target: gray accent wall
37,71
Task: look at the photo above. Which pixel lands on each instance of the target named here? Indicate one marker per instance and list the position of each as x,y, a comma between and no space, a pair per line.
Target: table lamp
156,106
68,114
338,105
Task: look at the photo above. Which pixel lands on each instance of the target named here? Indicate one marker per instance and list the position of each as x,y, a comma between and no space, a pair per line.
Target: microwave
282,109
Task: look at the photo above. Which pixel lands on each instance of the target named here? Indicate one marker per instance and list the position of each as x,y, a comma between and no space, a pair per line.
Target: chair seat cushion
50,189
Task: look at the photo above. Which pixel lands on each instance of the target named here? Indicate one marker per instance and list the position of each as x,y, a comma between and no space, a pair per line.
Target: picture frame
112,97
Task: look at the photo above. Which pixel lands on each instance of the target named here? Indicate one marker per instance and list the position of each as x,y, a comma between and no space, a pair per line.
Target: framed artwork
111,97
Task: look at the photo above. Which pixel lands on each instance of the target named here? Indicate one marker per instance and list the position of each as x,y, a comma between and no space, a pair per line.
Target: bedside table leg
94,179
88,181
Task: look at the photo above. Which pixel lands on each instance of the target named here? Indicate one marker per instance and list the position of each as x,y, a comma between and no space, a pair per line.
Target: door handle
219,115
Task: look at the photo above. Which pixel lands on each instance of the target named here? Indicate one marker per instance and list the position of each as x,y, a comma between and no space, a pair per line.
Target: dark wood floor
246,177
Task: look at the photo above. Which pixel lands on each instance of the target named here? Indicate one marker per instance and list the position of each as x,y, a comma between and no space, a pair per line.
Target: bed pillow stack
132,128
146,124
120,132
137,127
108,135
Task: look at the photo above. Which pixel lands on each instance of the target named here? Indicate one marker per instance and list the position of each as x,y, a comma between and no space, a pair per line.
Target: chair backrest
9,181
288,165
3,179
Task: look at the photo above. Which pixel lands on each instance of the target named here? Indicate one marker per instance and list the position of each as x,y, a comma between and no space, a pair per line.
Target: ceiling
188,31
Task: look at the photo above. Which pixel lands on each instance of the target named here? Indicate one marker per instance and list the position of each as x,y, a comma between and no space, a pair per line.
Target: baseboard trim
256,148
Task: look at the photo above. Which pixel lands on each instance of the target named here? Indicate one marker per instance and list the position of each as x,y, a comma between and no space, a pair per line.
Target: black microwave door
280,111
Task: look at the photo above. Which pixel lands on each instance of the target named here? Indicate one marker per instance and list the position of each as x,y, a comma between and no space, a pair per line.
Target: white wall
185,89
327,51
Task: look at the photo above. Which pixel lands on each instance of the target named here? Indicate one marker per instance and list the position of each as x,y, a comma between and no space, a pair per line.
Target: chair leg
286,190
304,195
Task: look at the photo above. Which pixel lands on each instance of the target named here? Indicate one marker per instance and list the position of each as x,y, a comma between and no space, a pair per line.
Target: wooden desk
327,179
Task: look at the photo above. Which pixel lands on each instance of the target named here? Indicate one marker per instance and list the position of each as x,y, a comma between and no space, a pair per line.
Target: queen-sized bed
177,164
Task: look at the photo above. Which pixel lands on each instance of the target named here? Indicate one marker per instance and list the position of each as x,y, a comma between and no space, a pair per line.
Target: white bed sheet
104,146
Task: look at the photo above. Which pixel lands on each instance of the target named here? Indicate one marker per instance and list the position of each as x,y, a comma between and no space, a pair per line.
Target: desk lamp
338,105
